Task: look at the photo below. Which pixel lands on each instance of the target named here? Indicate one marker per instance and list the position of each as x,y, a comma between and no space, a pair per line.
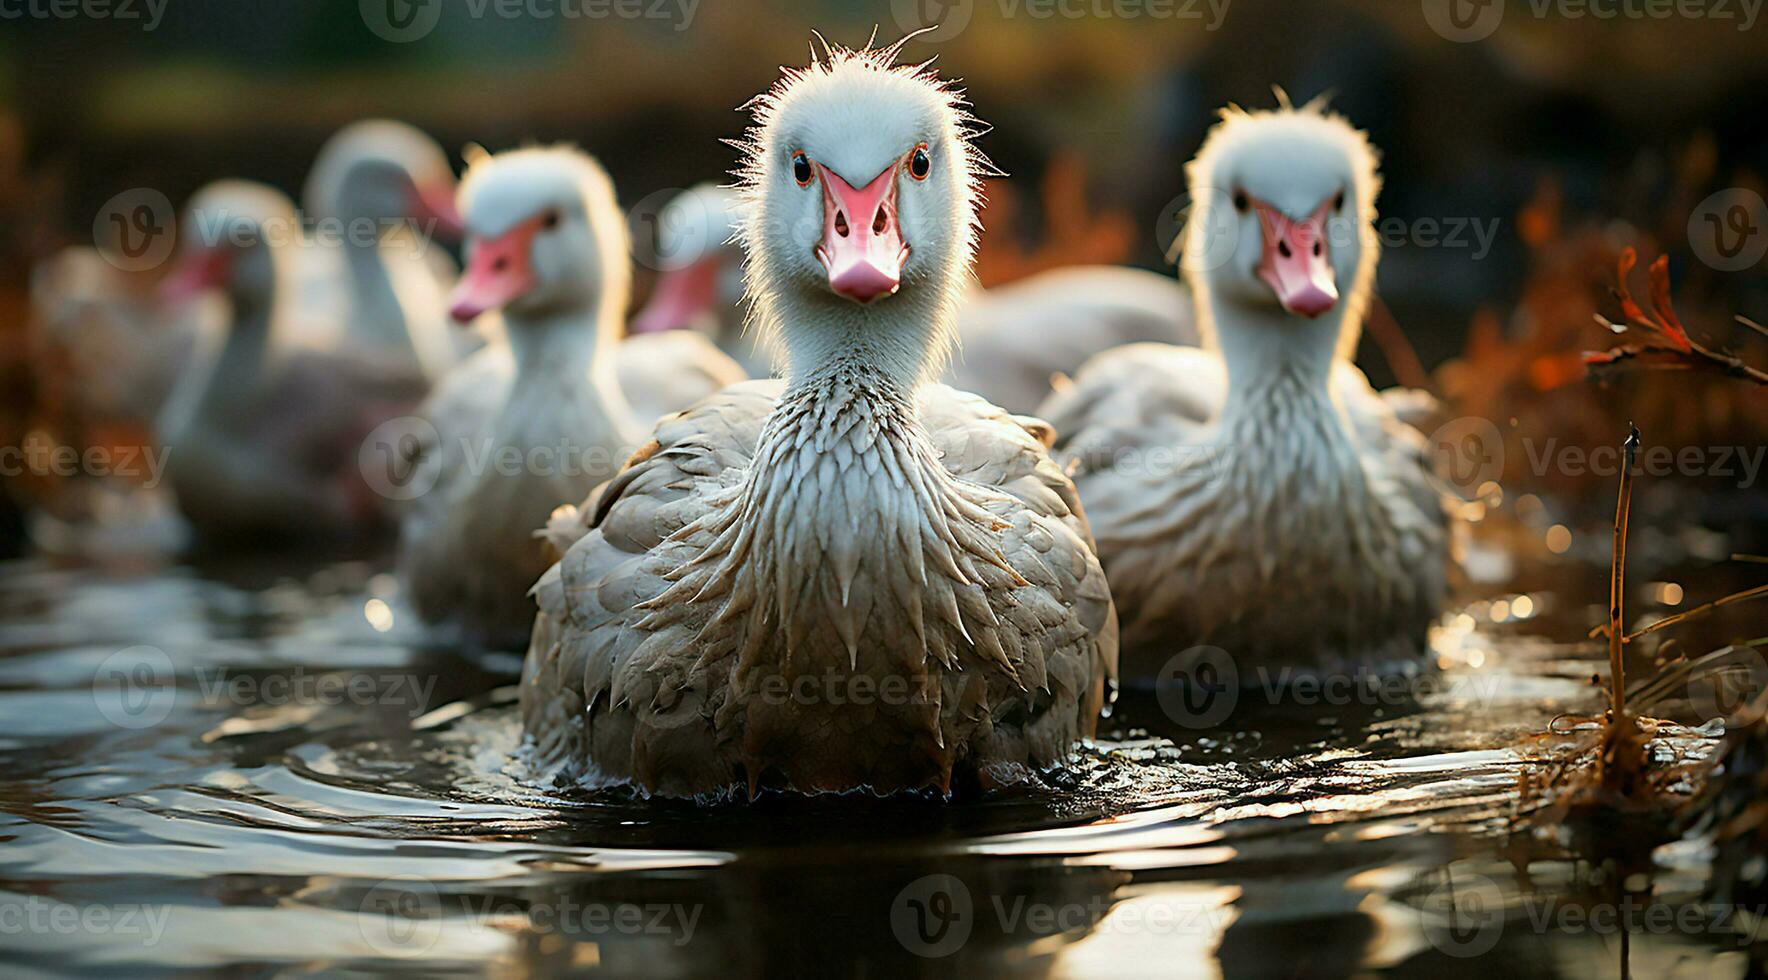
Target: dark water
213,775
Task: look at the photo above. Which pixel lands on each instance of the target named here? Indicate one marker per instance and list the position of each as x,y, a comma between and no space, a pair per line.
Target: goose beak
433,204
498,272
681,296
1297,260
862,244
199,269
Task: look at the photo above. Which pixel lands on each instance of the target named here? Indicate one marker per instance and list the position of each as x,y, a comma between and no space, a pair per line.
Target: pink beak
434,205
498,271
198,270
1297,263
681,296
862,245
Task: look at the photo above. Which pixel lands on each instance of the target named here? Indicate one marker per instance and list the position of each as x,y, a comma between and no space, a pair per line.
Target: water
249,774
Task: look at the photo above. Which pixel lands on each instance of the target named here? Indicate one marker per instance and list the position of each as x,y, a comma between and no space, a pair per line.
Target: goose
548,254
1016,338
377,193
261,432
1256,495
851,578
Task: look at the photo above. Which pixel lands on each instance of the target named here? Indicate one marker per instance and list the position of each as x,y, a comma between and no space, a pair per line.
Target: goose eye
1338,202
1240,202
801,169
920,164
549,220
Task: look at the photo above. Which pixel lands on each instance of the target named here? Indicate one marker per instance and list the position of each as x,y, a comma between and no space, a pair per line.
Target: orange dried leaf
1660,304
1629,259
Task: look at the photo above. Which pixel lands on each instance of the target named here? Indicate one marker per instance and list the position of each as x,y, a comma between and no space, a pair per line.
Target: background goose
1257,495
377,191
261,433
539,418
853,578
1016,337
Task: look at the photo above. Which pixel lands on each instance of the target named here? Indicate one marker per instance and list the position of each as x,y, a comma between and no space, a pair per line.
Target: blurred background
1525,144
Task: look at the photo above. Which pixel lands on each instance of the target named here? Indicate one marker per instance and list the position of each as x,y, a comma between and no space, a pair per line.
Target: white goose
853,578
378,189
1257,495
541,418
261,435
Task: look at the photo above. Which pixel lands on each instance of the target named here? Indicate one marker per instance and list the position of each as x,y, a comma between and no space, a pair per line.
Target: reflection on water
226,775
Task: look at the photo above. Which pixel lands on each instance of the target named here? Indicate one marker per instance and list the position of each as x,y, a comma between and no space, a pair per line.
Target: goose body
261,432
1015,338
533,421
850,578
1256,495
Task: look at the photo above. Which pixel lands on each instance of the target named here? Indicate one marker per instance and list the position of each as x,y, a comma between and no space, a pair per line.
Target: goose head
1281,201
544,237
699,258
860,197
386,172
230,238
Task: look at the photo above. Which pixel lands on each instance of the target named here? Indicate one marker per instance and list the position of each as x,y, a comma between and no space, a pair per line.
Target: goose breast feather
629,681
